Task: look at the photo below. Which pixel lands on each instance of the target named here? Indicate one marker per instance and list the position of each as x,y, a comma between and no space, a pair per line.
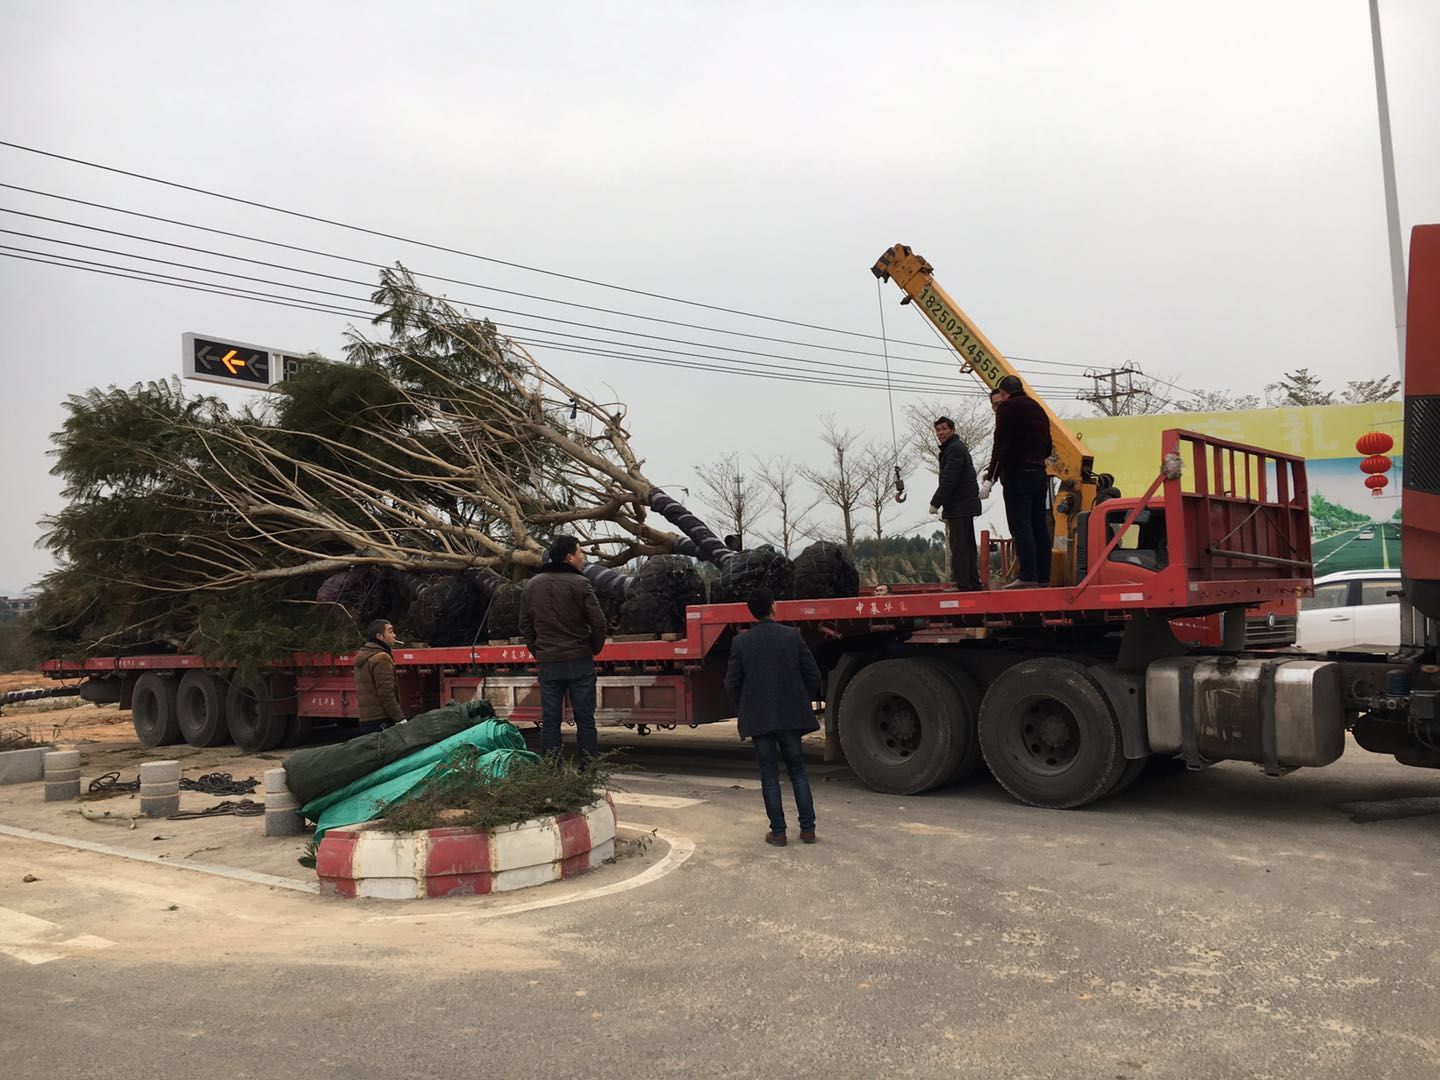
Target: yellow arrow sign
232,365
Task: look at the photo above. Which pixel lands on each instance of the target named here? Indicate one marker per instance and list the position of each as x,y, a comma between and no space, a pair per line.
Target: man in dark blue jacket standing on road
774,682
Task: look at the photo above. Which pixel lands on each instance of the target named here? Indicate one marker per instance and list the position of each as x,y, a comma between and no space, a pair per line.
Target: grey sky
1191,187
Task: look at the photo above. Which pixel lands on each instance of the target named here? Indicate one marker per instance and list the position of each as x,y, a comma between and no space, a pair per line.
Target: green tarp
317,770
498,741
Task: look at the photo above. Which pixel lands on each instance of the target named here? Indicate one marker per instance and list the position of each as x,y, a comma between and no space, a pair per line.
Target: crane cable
890,394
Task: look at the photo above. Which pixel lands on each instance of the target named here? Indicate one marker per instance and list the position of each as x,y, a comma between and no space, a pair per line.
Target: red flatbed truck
1064,691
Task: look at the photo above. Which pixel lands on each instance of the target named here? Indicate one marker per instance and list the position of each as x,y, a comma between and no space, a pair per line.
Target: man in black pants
957,501
1022,445
562,623
774,681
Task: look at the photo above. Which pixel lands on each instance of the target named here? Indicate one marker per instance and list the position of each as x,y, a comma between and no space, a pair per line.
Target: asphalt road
1347,551
1202,925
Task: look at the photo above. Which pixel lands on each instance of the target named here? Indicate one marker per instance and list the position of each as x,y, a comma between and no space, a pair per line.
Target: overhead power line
436,247
724,365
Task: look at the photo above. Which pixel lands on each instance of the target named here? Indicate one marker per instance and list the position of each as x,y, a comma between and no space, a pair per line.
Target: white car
1366,534
1350,609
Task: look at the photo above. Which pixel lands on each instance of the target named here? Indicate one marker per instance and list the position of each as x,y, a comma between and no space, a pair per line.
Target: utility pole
1387,168
1108,400
739,510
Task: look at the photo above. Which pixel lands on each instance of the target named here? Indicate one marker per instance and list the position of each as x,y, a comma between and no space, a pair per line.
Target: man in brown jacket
375,677
561,621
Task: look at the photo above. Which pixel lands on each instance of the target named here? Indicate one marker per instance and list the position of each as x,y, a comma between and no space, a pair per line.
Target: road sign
235,363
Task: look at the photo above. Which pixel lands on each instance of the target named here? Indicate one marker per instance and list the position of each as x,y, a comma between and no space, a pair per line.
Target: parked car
1351,608
1366,534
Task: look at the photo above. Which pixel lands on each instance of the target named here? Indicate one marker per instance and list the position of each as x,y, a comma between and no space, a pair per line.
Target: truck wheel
251,716
1134,769
200,702
967,730
1049,735
152,705
902,726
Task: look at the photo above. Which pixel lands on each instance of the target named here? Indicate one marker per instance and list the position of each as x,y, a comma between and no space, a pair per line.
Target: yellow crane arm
1072,461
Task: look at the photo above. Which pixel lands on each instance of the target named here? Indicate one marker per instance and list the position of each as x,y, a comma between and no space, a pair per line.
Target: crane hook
899,486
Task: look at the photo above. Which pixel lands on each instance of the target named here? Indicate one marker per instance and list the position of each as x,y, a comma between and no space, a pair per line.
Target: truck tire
967,698
152,705
200,704
1049,735
902,726
254,722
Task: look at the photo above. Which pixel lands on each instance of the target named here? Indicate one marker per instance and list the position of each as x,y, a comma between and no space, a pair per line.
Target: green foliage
529,790
17,649
903,559
1327,517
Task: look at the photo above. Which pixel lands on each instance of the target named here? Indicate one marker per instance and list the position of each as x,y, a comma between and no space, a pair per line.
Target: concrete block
161,807
23,766
159,772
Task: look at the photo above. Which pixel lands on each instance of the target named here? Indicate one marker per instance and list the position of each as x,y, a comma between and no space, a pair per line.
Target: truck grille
1259,633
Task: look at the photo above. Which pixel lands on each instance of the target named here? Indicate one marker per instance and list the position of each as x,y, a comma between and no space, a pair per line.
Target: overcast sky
1192,188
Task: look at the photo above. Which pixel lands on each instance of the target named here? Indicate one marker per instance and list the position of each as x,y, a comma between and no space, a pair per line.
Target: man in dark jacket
375,694
957,501
774,682
561,621
1022,445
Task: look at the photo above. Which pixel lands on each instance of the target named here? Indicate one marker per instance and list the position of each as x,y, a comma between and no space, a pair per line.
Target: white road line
664,802
251,876
681,848
37,941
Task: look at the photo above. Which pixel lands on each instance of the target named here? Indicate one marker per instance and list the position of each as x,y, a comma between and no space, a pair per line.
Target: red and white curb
363,861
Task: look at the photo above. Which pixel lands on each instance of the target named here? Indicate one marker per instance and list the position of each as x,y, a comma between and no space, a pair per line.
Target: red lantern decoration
1374,442
1375,463
1376,483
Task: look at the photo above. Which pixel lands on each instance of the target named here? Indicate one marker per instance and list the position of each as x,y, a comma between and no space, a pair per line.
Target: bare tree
974,423
1217,401
840,482
877,494
738,500
781,478
1359,391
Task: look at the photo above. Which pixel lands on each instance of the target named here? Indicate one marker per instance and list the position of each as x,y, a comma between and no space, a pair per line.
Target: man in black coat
1022,445
774,682
562,623
957,501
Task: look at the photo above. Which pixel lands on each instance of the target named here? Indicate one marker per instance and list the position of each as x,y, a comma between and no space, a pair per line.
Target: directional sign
234,363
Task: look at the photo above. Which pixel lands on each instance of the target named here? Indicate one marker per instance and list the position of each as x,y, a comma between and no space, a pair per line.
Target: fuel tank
1280,713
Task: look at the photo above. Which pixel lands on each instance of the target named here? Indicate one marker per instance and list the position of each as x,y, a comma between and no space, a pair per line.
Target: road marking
37,941
663,802
681,848
251,876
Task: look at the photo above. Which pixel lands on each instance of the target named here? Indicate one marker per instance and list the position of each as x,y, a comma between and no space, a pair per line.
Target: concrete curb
23,766
364,862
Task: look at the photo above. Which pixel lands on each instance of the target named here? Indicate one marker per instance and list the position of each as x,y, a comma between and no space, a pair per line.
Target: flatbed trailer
1065,691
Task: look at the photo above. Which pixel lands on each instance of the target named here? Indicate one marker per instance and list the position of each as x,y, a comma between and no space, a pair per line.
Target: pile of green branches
530,789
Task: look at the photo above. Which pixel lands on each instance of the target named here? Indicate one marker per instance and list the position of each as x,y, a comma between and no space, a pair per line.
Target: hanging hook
899,485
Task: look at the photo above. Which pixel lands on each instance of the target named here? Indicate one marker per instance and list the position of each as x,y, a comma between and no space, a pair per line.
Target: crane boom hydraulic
1072,462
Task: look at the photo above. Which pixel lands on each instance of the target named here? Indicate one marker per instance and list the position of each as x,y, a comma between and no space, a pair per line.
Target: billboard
1352,528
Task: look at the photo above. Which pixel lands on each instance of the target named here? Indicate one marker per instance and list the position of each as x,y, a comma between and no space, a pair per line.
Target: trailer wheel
967,729
200,703
902,726
254,722
152,705
1133,770
1049,735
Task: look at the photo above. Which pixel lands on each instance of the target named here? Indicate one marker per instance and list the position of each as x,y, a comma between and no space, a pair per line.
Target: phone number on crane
955,328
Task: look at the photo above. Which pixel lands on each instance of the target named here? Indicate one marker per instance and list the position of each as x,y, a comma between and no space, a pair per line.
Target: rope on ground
219,783
240,808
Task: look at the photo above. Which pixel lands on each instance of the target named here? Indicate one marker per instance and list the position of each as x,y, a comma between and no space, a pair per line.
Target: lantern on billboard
1374,464
1376,483
1374,442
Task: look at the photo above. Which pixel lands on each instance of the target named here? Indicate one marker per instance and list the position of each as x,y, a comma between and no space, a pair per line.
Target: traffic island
367,862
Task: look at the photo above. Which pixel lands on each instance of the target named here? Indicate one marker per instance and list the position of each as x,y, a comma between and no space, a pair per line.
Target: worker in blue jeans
564,626
774,681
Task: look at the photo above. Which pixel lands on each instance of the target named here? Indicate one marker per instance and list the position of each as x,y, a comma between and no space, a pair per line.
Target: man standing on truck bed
774,682
375,695
957,501
562,623
1022,443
